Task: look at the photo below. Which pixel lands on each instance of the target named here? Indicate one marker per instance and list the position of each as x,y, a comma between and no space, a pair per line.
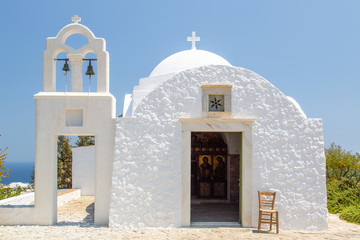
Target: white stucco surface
187,59
23,199
83,170
64,196
287,152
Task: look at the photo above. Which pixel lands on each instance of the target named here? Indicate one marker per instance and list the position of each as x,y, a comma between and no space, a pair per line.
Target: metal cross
76,19
193,39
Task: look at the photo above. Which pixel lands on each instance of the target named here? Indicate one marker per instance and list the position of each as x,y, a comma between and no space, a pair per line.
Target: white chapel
197,140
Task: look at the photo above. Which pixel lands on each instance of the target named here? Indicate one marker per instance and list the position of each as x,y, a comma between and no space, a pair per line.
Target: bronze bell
90,70
66,67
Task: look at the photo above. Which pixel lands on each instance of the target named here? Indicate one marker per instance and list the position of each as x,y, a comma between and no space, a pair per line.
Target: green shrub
342,194
351,214
343,183
9,192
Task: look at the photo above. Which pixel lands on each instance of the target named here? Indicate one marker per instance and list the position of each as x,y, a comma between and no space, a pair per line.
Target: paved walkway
75,222
78,211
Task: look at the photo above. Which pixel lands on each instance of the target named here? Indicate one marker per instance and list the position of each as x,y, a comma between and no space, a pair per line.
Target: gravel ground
75,222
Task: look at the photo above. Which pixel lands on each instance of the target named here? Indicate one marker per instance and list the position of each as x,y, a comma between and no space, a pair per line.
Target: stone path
78,211
75,222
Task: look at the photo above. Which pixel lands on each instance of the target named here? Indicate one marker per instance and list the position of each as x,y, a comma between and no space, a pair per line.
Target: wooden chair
266,210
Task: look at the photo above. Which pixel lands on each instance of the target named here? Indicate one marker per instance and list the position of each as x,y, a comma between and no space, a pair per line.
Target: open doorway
75,179
215,176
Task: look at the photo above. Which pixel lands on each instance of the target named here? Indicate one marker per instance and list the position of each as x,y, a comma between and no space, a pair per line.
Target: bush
351,214
342,194
9,192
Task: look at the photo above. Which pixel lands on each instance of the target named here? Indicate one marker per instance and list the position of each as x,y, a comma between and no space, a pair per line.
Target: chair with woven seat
266,210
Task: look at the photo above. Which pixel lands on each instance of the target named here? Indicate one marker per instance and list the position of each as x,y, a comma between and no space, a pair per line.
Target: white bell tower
73,113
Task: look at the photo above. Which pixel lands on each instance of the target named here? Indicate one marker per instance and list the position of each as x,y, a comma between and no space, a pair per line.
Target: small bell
66,67
90,70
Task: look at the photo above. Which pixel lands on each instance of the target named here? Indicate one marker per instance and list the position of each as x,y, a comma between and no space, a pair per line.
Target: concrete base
20,210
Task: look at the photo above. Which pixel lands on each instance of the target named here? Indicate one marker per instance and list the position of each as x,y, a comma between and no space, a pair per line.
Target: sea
20,172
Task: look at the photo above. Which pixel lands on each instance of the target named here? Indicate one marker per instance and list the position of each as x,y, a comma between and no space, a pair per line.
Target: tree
64,160
32,178
342,164
85,141
4,172
356,172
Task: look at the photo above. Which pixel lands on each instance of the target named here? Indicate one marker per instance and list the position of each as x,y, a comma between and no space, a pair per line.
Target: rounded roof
187,59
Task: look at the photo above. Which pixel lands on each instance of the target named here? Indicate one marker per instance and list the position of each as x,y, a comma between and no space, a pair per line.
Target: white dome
188,59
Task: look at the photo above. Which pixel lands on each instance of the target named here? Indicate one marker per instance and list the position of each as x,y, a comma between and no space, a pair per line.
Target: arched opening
90,81
63,79
76,41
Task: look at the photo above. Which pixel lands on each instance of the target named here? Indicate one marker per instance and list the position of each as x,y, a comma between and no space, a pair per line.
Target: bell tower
73,113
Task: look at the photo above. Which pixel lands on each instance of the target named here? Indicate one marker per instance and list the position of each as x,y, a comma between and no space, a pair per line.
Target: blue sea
20,172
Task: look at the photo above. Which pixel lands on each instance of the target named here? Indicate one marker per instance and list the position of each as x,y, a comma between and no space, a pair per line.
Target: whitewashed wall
83,170
288,151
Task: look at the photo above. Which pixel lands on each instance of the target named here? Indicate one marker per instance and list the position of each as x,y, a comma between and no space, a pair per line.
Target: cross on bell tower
76,19
193,39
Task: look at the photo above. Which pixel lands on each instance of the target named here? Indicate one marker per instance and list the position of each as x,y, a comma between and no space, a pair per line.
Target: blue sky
308,49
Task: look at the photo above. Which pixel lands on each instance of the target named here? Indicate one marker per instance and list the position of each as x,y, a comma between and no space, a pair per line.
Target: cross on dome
193,39
76,19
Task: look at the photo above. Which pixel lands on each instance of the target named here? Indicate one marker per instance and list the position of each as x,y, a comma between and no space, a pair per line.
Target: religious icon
219,167
205,167
205,175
